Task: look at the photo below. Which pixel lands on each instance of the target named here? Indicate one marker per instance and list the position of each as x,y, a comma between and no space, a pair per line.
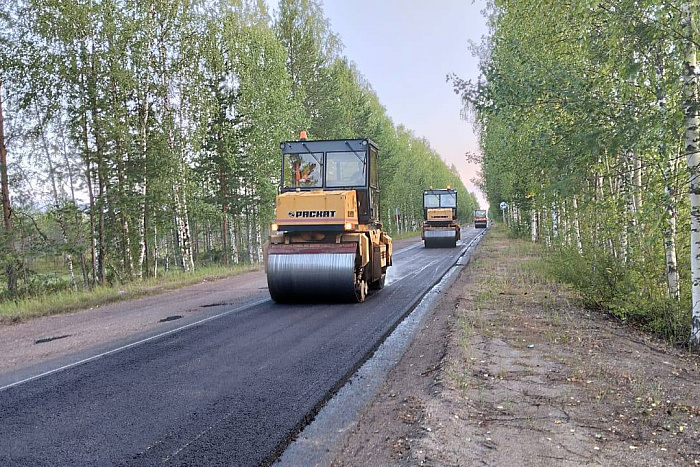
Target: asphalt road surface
233,390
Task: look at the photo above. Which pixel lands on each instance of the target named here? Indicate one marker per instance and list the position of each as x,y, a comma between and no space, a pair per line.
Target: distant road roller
480,219
327,243
440,228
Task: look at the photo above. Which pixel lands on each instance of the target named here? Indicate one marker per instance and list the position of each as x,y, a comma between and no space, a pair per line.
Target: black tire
379,283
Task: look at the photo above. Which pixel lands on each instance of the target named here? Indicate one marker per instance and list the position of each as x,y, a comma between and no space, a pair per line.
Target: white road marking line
134,344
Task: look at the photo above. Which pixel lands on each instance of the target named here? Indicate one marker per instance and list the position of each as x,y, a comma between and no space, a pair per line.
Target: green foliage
581,124
624,292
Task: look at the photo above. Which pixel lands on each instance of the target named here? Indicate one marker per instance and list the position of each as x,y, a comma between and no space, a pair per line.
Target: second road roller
327,243
480,219
440,228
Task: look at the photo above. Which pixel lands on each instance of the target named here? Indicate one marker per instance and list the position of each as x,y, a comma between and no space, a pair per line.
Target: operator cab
335,165
433,199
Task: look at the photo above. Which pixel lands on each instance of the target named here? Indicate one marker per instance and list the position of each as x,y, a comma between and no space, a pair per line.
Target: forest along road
231,390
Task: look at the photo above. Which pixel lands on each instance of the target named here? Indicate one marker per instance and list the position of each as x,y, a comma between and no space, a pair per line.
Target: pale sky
405,48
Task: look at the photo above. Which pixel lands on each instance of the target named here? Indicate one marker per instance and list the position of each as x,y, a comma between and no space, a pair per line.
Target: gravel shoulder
511,370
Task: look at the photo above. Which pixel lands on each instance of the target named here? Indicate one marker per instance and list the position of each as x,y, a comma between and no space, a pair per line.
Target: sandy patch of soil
511,370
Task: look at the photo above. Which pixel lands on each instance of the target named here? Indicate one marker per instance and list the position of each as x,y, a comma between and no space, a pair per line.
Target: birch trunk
93,208
177,186
598,201
156,251
6,210
92,91
690,88
60,215
258,243
637,182
77,219
669,228
142,262
577,226
566,235
630,208
670,247
533,225
233,242
224,213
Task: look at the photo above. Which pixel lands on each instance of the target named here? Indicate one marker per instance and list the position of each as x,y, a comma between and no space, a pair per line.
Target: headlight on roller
273,227
348,226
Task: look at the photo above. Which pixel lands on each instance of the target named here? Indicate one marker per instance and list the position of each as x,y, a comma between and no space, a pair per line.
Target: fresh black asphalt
230,391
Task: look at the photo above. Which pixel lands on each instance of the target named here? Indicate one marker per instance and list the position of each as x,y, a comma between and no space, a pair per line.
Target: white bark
183,228
258,243
669,228
233,245
533,225
637,182
690,87
624,236
670,247
155,248
577,227
60,215
566,227
144,115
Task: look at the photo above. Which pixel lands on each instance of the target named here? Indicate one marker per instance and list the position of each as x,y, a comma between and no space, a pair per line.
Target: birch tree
692,136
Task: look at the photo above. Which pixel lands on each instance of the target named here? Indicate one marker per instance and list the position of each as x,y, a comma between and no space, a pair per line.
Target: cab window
346,169
448,200
304,170
431,200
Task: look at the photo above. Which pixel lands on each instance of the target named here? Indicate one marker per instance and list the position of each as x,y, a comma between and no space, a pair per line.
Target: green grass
66,301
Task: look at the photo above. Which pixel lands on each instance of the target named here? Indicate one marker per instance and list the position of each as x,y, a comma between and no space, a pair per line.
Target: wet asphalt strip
229,391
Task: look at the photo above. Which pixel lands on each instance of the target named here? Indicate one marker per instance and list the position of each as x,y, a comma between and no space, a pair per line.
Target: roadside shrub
629,292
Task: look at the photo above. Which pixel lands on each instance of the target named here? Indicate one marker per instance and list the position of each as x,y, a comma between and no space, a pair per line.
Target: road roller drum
313,273
440,238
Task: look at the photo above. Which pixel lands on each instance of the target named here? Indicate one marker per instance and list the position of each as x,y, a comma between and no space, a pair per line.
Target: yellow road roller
440,227
327,243
480,219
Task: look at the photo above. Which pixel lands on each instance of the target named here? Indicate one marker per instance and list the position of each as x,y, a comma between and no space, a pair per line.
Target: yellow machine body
314,208
439,214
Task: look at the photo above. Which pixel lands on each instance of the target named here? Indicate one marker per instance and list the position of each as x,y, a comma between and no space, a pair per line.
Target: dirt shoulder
511,370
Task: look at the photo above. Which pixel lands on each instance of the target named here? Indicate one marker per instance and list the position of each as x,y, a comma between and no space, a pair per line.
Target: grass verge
66,301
